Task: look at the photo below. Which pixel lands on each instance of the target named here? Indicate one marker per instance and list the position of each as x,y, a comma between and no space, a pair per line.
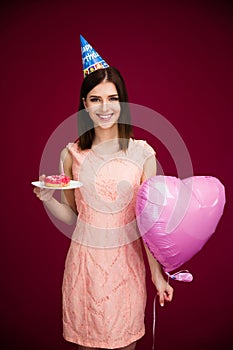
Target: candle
61,167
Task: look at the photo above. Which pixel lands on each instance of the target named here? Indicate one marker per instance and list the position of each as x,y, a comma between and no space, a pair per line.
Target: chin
105,126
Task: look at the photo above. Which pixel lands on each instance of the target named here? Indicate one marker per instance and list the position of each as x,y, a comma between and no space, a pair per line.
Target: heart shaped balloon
176,217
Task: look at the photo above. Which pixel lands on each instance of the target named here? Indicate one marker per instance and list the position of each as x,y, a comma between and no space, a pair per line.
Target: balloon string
154,304
173,276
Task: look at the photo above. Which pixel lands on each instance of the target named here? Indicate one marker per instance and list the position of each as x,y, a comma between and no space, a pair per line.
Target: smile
105,116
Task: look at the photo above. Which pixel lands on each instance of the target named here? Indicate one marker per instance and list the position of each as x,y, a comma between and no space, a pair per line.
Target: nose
104,106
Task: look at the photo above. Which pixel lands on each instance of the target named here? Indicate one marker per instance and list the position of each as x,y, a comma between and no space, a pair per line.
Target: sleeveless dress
104,288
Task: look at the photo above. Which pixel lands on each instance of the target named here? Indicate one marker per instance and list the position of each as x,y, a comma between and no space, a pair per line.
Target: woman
104,289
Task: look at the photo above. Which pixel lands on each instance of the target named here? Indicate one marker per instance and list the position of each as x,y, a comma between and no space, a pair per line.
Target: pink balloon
176,217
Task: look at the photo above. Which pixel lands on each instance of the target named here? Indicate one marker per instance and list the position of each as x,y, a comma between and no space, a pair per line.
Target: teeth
104,116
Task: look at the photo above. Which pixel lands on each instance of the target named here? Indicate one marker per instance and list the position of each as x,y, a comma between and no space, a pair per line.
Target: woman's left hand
164,290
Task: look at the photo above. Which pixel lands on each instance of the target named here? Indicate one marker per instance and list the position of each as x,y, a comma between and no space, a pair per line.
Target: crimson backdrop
176,58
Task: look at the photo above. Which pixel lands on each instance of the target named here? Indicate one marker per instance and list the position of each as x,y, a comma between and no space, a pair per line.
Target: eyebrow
100,96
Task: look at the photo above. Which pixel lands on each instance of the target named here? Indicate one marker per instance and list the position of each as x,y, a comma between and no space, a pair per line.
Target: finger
167,297
169,294
36,191
161,298
37,195
46,195
42,177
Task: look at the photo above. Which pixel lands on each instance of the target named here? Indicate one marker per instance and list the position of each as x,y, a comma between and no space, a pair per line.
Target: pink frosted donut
57,181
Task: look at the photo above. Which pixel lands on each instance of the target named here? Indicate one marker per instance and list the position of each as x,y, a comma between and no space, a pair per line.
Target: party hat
90,58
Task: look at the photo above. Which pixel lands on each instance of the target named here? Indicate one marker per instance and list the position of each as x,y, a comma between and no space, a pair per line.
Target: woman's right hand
43,194
61,210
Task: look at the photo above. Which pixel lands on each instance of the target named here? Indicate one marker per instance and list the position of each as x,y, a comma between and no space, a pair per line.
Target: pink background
176,58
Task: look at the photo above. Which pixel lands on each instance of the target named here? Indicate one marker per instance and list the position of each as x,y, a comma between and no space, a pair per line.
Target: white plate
73,184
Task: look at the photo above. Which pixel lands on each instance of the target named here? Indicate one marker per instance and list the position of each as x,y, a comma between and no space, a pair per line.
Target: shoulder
73,155
71,150
72,146
146,149
66,153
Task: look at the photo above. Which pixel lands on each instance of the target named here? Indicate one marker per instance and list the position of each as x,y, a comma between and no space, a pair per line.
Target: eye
114,98
94,99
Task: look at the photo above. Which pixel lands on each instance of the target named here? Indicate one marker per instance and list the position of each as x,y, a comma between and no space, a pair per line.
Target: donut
57,180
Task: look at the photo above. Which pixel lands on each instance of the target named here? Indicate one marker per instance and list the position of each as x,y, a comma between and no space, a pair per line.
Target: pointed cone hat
90,58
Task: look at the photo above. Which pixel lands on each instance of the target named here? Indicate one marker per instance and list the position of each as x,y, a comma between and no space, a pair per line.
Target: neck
103,135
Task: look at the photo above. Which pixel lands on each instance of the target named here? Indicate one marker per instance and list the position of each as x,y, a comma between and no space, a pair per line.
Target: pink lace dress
104,290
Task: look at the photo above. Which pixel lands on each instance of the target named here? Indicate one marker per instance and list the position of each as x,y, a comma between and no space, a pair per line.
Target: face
102,104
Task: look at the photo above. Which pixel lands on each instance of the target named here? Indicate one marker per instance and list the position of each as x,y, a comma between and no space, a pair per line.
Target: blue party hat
90,58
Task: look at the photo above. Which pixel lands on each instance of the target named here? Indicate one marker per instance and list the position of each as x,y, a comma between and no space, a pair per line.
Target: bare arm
66,209
67,196
164,290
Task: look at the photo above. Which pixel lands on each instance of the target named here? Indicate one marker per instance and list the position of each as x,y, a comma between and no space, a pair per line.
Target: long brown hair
86,132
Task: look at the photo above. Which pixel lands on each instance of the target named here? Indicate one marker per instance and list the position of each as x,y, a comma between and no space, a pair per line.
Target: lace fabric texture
104,291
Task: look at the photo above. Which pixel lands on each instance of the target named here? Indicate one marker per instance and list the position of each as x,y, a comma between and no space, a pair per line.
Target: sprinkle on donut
57,180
